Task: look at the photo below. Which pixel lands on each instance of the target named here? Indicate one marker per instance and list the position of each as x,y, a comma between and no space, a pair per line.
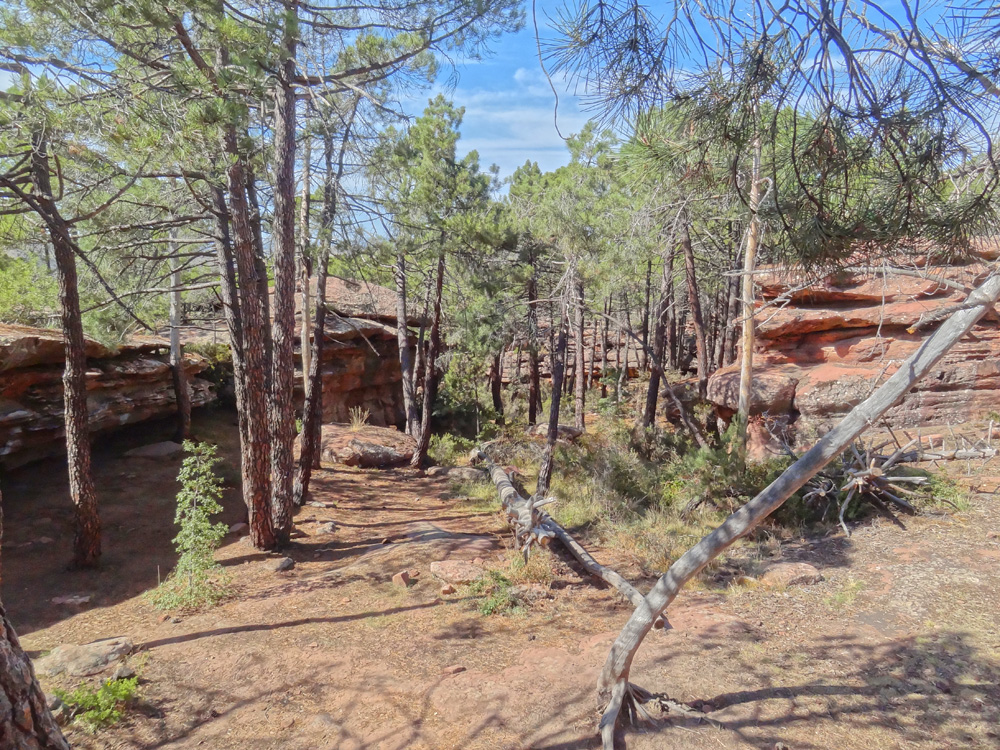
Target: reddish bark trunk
694,304
87,540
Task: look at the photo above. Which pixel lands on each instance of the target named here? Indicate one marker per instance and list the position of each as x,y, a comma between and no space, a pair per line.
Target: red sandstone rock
369,446
829,348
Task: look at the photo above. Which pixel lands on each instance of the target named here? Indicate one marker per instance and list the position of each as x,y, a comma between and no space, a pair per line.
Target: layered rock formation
360,370
124,386
822,349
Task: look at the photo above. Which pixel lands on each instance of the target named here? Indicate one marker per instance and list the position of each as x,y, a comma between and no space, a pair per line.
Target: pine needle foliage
197,580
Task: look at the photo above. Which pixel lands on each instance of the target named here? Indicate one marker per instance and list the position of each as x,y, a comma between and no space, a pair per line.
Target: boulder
165,449
456,571
402,579
85,660
782,575
367,447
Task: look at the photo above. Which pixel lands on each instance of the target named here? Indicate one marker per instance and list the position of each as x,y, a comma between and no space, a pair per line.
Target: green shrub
448,449
197,580
97,708
496,593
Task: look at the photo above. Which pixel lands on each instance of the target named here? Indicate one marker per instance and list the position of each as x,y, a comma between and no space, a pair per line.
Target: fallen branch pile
534,527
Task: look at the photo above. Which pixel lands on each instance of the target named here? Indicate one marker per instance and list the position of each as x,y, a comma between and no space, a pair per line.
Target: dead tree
614,690
558,373
534,527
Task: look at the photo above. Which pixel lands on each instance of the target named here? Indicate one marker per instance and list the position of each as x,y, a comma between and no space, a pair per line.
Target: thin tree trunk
305,262
643,357
496,386
694,304
230,304
622,374
282,408
558,372
405,350
749,264
430,369
604,349
673,332
656,360
534,377
421,355
87,540
613,685
580,386
182,395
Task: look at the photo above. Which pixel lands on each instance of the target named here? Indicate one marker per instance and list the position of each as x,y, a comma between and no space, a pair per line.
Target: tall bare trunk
305,261
749,265
405,350
580,386
643,356
282,410
558,373
421,355
255,452
87,540
656,359
182,395
534,378
694,304
312,415
604,349
496,385
613,684
430,369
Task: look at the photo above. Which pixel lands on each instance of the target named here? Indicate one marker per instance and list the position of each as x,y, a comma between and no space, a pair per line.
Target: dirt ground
899,646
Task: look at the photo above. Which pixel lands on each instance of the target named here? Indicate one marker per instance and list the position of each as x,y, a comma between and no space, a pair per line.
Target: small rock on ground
781,575
456,571
327,528
73,599
123,671
280,564
447,589
402,579
453,669
239,528
85,660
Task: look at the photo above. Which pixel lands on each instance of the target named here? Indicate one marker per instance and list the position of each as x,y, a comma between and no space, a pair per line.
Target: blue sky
509,106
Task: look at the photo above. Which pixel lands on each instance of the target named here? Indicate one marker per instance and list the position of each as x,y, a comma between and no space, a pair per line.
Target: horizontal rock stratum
822,349
126,385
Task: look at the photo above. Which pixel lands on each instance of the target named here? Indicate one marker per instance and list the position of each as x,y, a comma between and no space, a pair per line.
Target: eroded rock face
124,386
833,344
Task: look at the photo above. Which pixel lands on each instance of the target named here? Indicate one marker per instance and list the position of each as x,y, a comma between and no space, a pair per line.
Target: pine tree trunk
558,372
430,369
694,304
405,350
421,354
182,394
656,360
87,540
580,386
255,452
670,332
643,357
534,377
604,349
305,262
496,386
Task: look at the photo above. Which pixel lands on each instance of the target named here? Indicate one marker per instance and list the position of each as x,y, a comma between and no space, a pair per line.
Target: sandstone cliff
124,386
823,349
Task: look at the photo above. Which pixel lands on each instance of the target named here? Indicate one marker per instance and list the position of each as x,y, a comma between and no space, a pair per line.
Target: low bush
97,708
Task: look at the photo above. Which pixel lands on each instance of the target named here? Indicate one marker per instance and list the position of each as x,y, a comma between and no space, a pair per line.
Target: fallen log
533,526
